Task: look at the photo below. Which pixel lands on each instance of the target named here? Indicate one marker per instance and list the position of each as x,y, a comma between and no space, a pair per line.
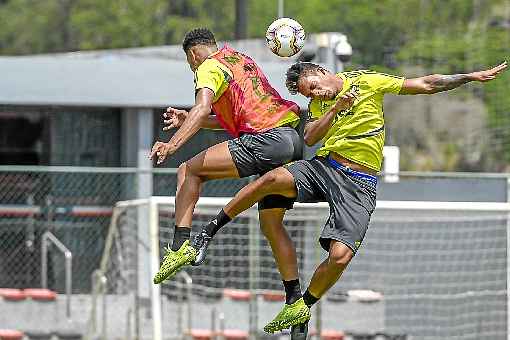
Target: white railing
47,239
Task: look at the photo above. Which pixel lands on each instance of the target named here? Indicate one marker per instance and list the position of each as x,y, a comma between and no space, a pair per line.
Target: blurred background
402,37
83,84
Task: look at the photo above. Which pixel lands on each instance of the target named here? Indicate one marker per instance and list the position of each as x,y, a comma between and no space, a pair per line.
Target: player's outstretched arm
440,82
190,126
174,118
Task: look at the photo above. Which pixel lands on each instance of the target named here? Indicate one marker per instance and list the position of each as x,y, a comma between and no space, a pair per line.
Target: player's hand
161,150
174,118
345,102
487,75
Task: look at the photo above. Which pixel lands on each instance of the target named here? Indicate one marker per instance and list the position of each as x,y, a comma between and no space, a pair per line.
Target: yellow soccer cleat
290,315
173,261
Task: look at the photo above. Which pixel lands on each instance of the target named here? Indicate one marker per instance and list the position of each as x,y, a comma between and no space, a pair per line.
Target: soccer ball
285,37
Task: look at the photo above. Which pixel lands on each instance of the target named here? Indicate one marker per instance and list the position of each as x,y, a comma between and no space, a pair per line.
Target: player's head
312,81
198,44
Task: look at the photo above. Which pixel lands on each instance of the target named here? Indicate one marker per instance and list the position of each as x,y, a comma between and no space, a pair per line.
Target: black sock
292,291
221,219
310,300
181,234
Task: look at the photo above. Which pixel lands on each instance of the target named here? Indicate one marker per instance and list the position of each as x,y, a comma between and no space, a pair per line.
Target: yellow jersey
358,133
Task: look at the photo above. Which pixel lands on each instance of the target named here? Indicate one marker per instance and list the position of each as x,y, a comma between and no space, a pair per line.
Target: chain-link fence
75,204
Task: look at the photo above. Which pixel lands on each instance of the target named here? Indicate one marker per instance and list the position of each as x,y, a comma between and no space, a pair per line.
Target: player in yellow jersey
230,85
346,114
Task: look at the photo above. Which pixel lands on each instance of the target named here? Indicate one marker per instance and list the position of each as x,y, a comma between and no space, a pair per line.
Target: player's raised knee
341,260
340,254
269,180
278,182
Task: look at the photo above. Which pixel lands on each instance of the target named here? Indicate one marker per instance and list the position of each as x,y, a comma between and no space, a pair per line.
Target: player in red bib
230,85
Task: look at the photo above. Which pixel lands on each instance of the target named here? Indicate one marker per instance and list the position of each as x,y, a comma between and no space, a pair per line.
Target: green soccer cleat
290,315
173,261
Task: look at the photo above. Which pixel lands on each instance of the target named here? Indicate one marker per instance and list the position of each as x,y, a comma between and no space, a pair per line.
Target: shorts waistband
276,127
366,178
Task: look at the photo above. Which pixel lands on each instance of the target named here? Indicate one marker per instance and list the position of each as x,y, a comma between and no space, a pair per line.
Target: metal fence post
44,263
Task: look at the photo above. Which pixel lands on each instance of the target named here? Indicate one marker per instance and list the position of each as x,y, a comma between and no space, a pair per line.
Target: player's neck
205,52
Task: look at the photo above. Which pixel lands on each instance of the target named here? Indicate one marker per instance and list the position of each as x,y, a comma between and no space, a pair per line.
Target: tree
65,25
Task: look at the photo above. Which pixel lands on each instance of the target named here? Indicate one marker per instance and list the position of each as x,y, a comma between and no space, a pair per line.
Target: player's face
191,57
316,85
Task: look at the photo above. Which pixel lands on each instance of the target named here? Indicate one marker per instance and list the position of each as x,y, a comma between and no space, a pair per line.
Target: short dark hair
198,36
296,71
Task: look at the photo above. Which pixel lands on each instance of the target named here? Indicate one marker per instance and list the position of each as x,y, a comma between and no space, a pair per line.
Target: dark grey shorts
256,154
351,200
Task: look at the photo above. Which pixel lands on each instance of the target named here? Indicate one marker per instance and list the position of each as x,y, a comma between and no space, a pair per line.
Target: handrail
188,282
49,237
129,315
104,328
99,282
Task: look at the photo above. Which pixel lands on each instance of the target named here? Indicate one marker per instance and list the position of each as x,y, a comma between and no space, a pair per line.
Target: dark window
23,137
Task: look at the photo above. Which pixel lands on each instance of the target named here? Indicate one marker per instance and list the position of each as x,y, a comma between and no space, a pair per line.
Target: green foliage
30,26
461,36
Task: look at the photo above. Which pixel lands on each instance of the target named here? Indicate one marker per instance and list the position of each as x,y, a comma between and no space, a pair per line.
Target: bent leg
213,163
276,182
324,277
330,270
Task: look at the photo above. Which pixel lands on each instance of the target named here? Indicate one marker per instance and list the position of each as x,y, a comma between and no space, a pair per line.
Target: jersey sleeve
385,83
210,75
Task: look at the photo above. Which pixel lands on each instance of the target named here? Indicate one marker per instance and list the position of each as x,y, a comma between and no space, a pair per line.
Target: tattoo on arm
441,83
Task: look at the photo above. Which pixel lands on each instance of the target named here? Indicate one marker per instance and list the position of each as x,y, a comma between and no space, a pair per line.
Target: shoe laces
198,240
168,251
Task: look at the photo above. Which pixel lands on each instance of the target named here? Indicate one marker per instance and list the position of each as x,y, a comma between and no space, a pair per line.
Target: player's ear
192,57
192,54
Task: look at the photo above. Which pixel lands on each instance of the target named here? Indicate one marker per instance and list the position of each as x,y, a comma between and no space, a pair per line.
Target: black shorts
256,154
351,200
